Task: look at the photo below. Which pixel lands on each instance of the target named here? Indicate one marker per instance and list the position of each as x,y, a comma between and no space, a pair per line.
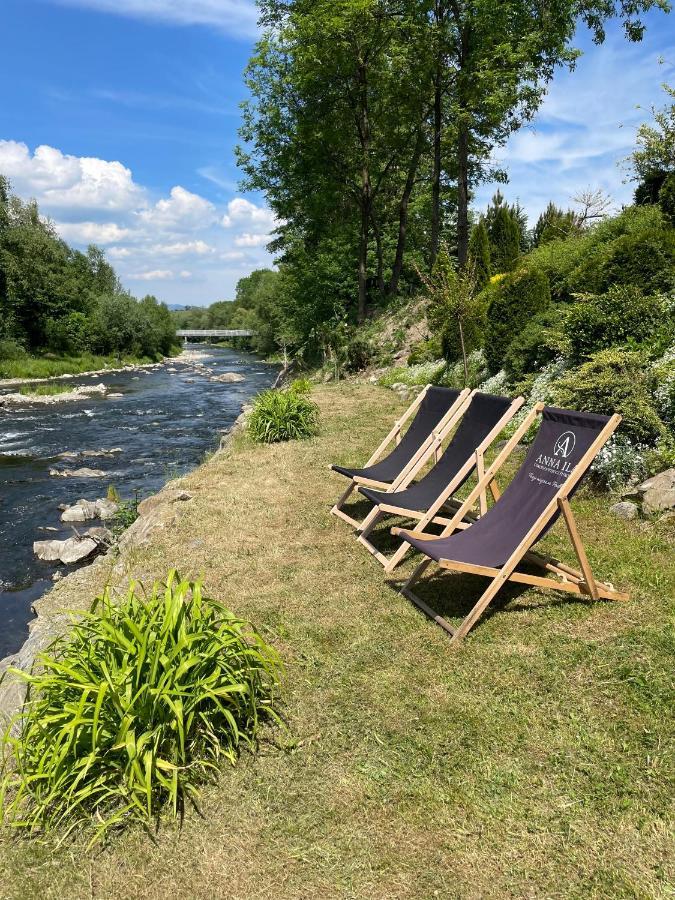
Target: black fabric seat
436,403
478,421
563,438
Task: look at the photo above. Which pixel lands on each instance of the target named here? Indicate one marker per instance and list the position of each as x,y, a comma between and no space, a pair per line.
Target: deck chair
436,409
484,419
499,541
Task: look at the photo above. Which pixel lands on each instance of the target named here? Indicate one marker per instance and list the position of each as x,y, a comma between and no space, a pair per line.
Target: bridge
200,334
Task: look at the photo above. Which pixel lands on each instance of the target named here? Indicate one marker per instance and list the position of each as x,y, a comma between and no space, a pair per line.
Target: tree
479,254
654,156
505,235
453,300
554,224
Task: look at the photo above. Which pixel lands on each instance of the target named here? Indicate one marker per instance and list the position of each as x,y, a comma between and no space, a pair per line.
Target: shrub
614,381
623,315
619,462
663,377
424,373
425,351
454,375
300,386
538,344
667,198
518,298
134,709
282,416
11,349
589,262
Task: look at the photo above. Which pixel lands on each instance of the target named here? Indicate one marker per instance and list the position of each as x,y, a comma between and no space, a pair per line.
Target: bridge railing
213,332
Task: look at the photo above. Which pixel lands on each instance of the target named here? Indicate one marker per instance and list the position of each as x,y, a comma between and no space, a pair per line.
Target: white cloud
152,275
184,248
244,213
234,17
182,210
252,240
92,232
63,182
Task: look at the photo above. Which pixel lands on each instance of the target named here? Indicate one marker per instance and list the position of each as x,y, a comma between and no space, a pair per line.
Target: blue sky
120,117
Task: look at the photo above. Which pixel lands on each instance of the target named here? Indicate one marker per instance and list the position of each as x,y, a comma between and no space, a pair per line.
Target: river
164,422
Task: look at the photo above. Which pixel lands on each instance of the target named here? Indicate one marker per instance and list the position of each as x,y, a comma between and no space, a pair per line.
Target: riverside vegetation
63,311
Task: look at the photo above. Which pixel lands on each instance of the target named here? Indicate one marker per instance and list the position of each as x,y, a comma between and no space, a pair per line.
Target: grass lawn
533,761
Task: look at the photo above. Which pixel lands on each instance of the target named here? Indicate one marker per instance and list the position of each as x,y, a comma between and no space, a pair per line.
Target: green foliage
614,381
425,351
505,234
538,343
621,316
479,255
554,224
667,198
422,373
44,390
66,302
655,151
11,349
517,299
300,386
282,415
455,311
130,712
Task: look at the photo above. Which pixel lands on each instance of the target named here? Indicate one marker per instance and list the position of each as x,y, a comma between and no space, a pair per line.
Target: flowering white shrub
620,462
476,367
540,392
496,384
423,373
663,371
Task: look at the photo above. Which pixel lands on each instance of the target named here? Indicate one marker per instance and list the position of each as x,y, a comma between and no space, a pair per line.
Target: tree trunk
363,250
462,195
403,213
436,185
461,341
381,288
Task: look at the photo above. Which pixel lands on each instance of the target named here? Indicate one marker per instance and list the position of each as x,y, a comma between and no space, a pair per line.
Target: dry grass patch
531,762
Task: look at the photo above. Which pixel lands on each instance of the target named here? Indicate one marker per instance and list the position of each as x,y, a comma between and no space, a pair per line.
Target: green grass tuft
132,711
282,416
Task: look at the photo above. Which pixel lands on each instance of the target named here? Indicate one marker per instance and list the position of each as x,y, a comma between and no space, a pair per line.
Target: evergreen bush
622,315
614,381
540,342
517,299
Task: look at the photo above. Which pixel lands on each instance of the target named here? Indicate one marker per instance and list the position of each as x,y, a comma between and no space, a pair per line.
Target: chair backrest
432,410
561,446
482,415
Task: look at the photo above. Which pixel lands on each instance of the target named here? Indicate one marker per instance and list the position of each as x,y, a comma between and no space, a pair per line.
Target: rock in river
84,472
228,377
70,551
84,510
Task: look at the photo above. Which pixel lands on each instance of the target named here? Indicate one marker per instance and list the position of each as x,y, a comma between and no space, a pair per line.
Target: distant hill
178,307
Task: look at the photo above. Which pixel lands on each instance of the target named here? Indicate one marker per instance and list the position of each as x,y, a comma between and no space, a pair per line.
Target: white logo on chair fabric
565,444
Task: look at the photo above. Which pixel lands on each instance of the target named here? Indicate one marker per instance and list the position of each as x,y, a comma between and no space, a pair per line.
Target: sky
120,117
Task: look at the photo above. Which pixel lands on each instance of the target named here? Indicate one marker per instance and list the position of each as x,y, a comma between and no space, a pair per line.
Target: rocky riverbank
54,610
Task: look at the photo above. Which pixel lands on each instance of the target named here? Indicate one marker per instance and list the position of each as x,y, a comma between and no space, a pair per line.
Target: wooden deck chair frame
431,445
568,579
433,514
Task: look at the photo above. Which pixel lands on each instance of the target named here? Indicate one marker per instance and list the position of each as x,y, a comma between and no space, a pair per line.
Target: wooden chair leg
370,521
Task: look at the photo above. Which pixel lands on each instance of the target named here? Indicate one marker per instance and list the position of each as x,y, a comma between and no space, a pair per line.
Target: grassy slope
532,762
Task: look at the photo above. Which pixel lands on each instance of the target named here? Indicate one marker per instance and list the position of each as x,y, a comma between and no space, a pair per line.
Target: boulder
70,551
657,494
625,510
84,472
81,511
228,377
106,509
101,535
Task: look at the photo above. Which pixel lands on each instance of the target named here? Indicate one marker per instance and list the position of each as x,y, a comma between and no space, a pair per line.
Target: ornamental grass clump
127,715
283,416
